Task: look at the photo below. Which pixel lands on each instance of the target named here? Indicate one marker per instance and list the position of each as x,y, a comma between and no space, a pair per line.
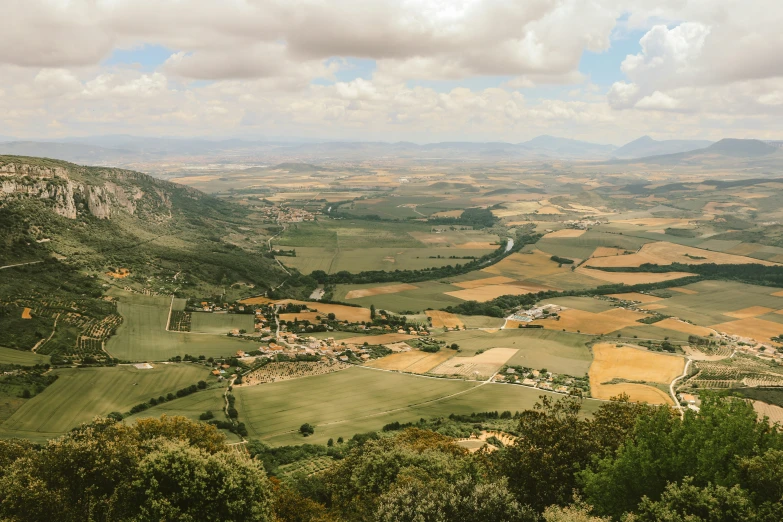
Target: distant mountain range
727,149
123,150
646,146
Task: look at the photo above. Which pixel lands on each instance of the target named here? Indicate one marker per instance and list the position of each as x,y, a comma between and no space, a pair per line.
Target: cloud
253,39
249,66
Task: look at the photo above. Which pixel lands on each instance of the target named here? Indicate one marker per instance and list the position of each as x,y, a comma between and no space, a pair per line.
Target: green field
220,324
583,246
21,357
190,406
428,294
273,412
335,245
707,307
142,336
559,352
80,394
481,321
275,409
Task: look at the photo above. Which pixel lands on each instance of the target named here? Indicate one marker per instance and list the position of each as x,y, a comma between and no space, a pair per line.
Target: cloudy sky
428,70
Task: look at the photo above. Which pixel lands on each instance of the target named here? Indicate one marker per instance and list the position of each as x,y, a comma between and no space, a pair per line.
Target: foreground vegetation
627,462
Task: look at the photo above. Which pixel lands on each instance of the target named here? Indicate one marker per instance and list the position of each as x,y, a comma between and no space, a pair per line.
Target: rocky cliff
73,190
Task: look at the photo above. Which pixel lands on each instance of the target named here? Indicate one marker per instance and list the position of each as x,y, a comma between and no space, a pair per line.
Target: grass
274,409
220,323
336,416
583,246
23,358
429,294
559,352
190,406
80,394
143,337
714,298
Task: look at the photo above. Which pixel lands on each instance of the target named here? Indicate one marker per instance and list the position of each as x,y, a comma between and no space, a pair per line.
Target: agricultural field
559,352
142,336
349,395
440,319
573,320
79,394
378,290
636,369
378,339
772,412
220,324
21,357
284,371
480,366
274,412
341,312
664,253
427,294
413,361
355,246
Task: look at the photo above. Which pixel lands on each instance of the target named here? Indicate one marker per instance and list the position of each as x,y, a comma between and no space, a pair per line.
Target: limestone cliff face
72,193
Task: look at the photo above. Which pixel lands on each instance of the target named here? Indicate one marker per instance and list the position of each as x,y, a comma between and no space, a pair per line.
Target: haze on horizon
606,71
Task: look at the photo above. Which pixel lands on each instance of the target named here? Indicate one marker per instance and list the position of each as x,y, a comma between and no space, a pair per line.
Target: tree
306,429
685,501
662,449
179,482
555,442
372,311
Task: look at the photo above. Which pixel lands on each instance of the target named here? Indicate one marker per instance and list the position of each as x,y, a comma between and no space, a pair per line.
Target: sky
606,71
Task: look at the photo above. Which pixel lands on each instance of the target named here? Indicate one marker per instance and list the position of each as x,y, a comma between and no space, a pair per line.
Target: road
671,387
44,341
21,264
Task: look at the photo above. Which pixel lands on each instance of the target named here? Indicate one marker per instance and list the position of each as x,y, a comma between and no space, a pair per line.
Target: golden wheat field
442,319
753,328
489,292
479,366
566,232
665,253
341,312
256,301
26,314
414,361
573,320
631,278
379,290
751,311
613,362
774,413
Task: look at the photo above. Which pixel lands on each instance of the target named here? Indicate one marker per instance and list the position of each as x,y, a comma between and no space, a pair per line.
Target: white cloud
705,68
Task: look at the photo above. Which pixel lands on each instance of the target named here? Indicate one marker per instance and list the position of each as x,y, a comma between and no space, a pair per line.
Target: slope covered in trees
627,462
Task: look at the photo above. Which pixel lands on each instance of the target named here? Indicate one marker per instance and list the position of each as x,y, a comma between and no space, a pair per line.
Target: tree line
626,461
425,274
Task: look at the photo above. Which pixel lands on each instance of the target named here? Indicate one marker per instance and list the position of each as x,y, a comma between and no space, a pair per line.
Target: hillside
84,230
